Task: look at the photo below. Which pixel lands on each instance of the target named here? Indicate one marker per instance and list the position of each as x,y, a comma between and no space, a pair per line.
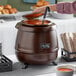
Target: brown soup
65,69
36,22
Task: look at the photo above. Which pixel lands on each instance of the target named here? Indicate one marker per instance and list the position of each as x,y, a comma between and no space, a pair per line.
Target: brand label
44,45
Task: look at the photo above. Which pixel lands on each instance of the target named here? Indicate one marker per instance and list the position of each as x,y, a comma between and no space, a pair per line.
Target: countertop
33,70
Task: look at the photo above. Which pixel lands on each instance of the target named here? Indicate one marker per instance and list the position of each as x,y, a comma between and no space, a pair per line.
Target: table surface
51,74
33,70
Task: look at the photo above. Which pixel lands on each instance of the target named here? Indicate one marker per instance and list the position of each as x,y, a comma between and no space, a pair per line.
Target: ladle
45,13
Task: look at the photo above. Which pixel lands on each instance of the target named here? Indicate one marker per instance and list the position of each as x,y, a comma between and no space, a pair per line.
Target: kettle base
26,65
37,59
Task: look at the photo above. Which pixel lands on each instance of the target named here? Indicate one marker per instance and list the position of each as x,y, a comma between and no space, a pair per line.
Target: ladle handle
46,10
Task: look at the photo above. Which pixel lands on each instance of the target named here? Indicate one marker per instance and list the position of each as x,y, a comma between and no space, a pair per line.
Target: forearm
66,7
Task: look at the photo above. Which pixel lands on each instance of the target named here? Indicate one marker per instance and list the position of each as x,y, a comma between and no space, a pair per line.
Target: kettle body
36,44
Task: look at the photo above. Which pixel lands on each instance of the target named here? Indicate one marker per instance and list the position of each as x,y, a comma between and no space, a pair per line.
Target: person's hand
42,9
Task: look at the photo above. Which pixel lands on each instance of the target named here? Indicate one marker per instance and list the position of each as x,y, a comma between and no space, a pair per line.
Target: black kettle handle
45,13
18,25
